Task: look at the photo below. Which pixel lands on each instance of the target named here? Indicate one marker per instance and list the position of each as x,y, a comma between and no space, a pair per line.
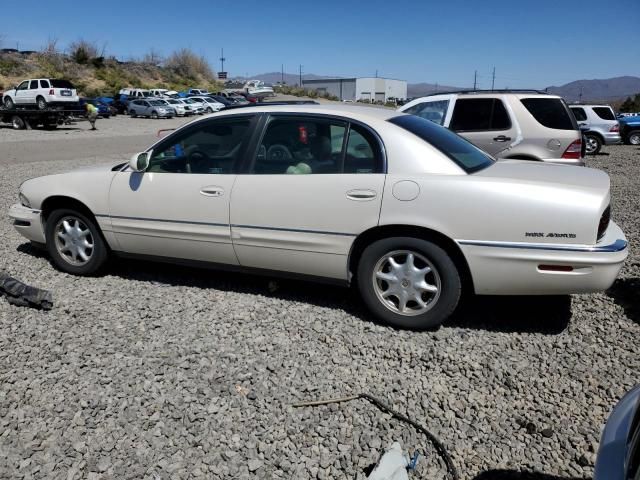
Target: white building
364,88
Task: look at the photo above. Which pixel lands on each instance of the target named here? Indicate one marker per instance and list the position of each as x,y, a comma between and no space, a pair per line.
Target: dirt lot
163,372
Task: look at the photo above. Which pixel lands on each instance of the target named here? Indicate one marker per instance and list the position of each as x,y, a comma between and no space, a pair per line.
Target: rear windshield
466,155
604,113
61,84
550,112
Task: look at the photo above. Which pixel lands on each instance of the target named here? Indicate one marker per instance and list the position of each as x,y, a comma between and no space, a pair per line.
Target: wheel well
447,244
52,203
595,134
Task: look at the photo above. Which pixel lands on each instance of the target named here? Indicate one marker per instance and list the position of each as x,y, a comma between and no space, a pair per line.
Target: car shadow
626,293
510,314
516,475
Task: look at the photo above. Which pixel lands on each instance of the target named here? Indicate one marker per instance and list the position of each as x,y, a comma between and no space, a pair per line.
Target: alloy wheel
74,241
634,139
406,282
592,145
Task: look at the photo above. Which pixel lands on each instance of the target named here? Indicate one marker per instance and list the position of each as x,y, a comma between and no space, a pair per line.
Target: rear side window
363,154
604,113
579,113
33,85
466,155
44,84
434,111
61,84
479,114
550,112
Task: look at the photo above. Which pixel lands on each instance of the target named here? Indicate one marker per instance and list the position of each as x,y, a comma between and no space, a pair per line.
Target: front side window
301,146
466,155
579,113
479,114
24,85
604,113
209,147
550,112
434,111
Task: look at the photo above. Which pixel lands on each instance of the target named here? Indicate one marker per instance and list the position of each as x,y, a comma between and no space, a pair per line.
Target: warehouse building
367,88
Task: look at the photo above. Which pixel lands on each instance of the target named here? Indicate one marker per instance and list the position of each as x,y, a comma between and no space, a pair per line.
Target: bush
82,51
190,66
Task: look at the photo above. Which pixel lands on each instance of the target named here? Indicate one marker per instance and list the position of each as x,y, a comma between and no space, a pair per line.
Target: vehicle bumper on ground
612,138
613,461
512,268
27,221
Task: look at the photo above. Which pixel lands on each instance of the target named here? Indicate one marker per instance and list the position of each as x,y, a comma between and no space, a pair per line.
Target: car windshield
61,84
156,102
466,155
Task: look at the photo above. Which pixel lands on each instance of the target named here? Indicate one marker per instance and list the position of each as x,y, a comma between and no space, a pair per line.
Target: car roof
357,112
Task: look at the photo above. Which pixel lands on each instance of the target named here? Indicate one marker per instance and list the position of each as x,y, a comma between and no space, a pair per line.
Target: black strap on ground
22,295
437,444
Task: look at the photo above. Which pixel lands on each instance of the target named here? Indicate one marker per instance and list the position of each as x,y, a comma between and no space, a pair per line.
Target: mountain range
600,90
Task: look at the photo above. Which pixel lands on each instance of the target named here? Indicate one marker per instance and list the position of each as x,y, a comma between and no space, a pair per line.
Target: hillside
605,90
95,75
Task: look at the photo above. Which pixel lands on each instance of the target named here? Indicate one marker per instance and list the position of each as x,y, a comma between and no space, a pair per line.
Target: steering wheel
278,153
197,162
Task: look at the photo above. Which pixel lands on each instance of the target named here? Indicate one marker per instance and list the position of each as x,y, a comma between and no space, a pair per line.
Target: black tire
99,251
593,144
17,123
154,115
633,138
133,113
41,103
8,103
209,110
444,272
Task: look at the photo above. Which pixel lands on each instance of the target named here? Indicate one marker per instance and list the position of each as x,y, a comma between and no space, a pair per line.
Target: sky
531,44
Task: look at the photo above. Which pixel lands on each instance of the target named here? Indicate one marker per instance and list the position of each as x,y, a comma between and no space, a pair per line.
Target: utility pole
580,96
300,76
493,78
436,87
376,73
222,59
475,79
282,74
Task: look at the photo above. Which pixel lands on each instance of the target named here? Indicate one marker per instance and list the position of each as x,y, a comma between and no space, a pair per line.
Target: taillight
573,151
51,92
604,222
615,128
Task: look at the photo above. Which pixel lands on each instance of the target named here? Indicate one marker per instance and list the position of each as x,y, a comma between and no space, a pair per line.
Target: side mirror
140,161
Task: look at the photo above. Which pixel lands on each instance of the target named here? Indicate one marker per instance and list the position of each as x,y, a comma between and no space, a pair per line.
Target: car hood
527,171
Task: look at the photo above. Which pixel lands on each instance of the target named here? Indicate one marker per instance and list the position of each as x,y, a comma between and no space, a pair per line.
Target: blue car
103,109
630,129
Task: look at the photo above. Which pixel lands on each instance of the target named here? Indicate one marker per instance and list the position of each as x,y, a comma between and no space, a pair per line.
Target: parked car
406,210
220,99
196,107
150,108
208,104
619,452
507,124
41,92
182,109
630,129
602,127
235,98
134,92
197,92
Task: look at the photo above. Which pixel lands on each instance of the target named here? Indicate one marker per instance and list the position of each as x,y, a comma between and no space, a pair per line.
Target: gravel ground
160,372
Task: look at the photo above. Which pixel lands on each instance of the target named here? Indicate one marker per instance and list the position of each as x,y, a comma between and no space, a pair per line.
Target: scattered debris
393,465
22,295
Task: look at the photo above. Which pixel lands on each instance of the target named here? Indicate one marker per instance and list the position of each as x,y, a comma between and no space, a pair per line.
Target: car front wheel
408,282
74,242
8,103
634,137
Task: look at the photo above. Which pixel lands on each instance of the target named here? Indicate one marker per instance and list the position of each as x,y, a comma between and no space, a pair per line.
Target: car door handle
361,195
501,138
212,191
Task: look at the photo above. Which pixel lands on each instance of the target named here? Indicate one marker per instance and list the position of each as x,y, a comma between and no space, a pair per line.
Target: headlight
24,201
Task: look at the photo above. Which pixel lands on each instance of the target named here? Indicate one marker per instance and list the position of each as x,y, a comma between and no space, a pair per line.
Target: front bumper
508,268
28,222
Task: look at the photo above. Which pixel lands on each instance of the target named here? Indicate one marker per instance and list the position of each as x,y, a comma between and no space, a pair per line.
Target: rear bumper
507,268
578,162
611,138
27,222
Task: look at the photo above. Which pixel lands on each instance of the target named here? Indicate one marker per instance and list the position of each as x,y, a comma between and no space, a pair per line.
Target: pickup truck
630,129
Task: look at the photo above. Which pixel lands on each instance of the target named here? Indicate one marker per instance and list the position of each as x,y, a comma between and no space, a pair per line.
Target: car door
485,122
22,93
32,92
581,116
179,206
314,185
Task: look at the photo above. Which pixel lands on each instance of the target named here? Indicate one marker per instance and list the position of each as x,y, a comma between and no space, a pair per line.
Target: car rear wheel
594,144
8,103
408,282
634,137
74,242
42,103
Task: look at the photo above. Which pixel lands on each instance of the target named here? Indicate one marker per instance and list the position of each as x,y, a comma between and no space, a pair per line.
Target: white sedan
208,104
406,210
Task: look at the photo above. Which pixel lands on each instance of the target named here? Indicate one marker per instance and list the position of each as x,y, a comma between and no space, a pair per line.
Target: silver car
510,124
600,126
406,210
151,108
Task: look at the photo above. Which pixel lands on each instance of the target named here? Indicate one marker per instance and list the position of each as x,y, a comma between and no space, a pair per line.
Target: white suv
43,92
